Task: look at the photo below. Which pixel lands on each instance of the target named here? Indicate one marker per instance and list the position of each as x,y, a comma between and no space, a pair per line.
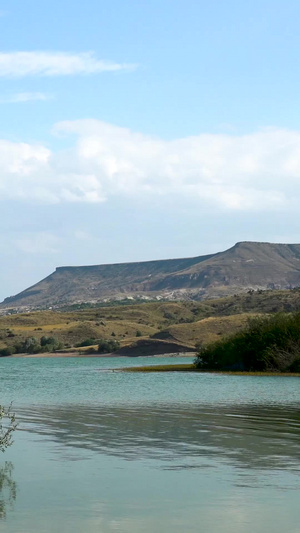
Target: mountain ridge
246,265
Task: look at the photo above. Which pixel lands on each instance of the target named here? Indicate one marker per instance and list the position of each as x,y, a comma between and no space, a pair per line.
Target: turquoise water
98,450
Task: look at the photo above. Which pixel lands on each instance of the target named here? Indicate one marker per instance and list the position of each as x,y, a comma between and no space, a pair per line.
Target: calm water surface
98,450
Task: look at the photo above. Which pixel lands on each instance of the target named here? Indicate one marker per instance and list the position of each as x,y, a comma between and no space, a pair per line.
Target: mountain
247,265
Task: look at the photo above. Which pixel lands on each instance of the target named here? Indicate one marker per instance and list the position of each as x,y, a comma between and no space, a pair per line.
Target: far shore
178,367
55,355
85,355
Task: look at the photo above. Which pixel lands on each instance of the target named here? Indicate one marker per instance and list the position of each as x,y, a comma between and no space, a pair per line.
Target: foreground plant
7,426
268,343
8,488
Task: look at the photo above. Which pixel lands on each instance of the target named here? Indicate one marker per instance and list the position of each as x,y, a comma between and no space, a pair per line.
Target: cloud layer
20,64
19,98
260,171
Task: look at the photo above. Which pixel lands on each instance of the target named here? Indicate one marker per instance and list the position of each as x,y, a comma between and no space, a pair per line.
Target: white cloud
19,64
255,172
18,98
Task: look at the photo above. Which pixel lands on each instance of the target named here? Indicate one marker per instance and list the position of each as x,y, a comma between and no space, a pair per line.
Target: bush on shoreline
33,345
267,343
108,346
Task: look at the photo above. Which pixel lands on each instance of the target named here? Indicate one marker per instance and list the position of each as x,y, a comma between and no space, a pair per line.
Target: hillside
156,327
247,265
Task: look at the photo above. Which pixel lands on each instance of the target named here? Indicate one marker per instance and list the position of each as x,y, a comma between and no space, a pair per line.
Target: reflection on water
8,488
138,453
256,437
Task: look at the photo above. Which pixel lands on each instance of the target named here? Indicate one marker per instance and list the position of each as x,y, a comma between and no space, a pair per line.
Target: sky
132,131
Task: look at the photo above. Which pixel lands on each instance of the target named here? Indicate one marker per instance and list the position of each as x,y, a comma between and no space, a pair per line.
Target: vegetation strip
270,343
193,368
242,332
184,367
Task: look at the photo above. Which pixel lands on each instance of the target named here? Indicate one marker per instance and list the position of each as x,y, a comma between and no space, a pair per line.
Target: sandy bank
86,355
58,355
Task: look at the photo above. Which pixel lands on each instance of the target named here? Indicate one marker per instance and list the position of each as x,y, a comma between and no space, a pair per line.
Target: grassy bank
182,367
192,368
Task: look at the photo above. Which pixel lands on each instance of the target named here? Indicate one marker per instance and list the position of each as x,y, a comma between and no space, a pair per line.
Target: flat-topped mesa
246,265
165,264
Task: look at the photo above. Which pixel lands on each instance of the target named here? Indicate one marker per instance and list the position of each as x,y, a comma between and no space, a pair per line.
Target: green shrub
268,343
9,350
108,346
86,342
32,345
47,340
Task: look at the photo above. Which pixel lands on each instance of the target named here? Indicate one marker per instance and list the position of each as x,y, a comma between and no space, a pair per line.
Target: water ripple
262,437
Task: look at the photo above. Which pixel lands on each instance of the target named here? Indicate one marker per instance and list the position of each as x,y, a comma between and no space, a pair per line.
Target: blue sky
137,130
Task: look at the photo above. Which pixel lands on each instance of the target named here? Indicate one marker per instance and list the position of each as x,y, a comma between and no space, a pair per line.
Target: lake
98,450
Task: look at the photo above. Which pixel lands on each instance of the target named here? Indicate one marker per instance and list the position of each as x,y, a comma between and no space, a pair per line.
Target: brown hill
247,265
150,328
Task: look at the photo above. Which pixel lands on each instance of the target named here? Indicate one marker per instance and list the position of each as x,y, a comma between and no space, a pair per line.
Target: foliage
86,342
267,343
33,345
8,350
7,428
8,488
108,346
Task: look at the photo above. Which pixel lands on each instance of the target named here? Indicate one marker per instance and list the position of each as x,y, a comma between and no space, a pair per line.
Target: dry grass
186,323
206,330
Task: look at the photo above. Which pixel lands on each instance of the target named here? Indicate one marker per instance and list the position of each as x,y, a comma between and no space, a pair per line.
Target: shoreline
59,355
187,367
178,367
55,355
